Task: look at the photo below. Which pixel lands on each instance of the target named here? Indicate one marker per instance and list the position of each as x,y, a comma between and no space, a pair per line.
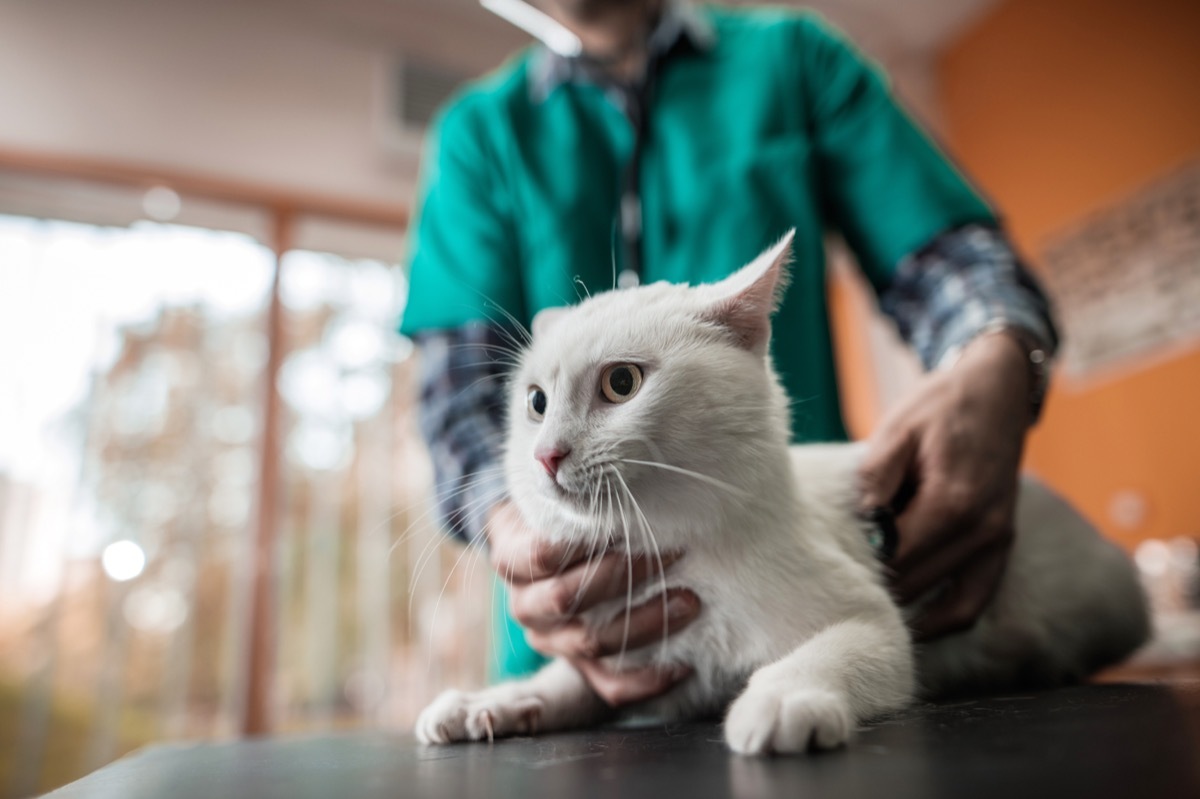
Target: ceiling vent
410,94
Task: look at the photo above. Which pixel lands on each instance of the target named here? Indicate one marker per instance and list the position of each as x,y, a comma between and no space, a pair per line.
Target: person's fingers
646,624
965,598
932,545
942,510
944,531
522,559
546,603
884,466
618,688
521,556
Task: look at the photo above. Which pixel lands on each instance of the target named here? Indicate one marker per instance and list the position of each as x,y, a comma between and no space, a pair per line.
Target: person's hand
551,584
955,444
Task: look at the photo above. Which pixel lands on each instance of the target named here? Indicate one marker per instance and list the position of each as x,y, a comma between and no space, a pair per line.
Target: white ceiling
461,34
288,92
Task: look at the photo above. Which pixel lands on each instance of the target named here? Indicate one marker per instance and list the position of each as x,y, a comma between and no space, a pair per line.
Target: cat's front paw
787,720
491,713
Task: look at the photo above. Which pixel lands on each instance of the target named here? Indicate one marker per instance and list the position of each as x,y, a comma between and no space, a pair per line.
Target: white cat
676,428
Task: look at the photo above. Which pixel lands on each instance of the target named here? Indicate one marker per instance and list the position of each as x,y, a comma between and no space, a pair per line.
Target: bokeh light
123,560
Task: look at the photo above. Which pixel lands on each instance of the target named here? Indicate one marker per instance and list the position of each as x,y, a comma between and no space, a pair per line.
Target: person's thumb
883,468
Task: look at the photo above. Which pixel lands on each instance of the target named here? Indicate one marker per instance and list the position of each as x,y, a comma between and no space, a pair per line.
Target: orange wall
848,314
1057,109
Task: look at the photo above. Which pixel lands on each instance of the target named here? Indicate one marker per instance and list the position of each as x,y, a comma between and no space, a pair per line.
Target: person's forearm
461,419
966,282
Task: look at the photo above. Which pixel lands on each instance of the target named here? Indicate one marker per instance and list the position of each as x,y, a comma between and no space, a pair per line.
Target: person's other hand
551,584
956,445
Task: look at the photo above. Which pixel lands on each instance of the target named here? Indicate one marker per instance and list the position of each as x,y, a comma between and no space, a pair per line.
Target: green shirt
777,123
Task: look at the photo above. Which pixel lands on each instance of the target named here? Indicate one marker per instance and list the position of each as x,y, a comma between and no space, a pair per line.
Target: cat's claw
443,721
491,713
787,720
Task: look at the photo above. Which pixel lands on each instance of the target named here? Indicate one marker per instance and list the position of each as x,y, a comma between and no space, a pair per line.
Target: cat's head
654,407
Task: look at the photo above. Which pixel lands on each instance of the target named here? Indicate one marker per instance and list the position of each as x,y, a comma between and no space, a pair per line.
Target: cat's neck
762,509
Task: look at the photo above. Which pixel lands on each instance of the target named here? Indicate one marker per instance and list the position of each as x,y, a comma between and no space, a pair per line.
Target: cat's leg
556,698
849,672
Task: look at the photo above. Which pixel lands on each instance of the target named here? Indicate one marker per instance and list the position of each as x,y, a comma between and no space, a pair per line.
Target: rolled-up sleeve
966,281
463,382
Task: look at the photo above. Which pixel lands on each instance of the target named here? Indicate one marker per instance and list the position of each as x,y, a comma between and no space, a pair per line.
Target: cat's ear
544,319
744,301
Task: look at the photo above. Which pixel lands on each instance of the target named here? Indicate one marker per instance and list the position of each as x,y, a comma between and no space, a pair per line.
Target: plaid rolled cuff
965,282
463,379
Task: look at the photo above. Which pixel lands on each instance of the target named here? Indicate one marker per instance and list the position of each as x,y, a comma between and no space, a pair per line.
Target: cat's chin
558,514
567,521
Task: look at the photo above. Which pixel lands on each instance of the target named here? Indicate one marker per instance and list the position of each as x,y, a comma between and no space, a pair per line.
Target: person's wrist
992,367
1020,357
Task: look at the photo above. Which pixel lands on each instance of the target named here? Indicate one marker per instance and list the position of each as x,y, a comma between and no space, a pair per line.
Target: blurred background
215,514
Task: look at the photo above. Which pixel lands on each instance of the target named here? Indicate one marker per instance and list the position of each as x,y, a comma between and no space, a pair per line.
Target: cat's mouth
577,499
578,495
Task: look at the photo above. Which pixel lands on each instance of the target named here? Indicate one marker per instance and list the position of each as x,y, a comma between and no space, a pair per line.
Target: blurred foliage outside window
133,370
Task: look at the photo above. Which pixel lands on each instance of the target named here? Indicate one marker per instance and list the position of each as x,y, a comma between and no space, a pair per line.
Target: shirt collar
681,23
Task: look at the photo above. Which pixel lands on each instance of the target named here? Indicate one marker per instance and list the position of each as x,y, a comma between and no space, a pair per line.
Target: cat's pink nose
550,458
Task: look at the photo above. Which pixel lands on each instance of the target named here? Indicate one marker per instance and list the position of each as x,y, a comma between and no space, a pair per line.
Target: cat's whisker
437,604
589,574
610,525
612,239
594,550
595,553
489,355
430,549
506,366
403,511
507,576
499,364
628,605
656,452
481,555
629,586
479,477
591,567
504,332
479,381
514,324
406,532
578,281
597,534
704,478
502,348
648,532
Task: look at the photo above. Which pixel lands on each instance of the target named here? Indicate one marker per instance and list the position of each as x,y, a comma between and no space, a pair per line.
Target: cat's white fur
797,629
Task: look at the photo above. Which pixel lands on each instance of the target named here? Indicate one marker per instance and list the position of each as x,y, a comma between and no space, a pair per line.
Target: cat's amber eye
535,403
620,382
